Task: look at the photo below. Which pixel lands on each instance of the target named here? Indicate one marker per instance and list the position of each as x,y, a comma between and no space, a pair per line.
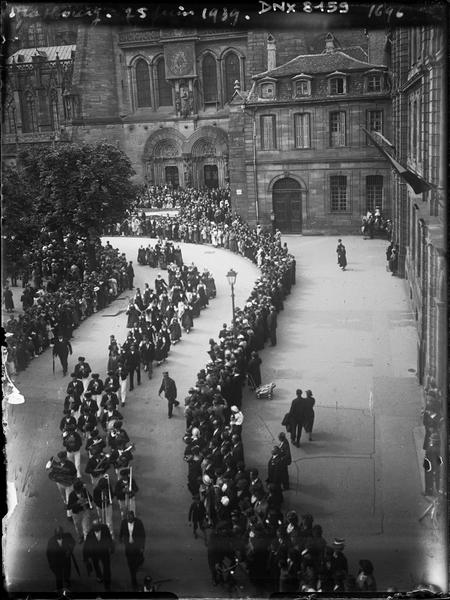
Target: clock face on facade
179,64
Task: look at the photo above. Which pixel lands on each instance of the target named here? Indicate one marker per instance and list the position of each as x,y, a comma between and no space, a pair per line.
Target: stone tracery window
209,76
231,74
10,115
142,75
54,109
28,111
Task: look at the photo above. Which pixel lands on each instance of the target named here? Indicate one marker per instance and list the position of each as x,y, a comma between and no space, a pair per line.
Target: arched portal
208,151
287,205
163,158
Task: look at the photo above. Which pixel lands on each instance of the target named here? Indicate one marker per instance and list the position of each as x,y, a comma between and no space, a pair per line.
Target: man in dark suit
62,348
271,322
238,449
297,417
147,350
98,547
169,388
132,535
275,467
134,364
59,554
287,459
82,370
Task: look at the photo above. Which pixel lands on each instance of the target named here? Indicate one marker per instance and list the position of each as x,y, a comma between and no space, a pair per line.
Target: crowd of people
60,289
238,509
374,224
203,217
92,419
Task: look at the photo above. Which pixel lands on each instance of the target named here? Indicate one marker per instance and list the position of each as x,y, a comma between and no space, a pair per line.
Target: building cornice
311,100
318,162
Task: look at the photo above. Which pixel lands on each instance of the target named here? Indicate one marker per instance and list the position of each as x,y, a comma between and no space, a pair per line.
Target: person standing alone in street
341,255
169,388
297,418
62,348
132,535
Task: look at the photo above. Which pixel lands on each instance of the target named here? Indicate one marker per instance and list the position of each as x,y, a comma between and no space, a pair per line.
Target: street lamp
231,276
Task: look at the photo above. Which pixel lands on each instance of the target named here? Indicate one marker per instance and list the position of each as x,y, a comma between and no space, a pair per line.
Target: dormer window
337,85
302,85
374,81
267,88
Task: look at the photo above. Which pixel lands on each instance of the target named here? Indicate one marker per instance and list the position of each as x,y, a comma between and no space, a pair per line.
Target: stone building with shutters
305,157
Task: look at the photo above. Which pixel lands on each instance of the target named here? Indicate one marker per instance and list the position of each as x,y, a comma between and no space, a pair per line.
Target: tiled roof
328,62
355,52
64,52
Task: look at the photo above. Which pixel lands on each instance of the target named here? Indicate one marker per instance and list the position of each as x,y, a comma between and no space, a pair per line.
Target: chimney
271,53
329,43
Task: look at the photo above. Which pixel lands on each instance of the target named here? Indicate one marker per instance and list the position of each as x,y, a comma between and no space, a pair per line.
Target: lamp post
231,276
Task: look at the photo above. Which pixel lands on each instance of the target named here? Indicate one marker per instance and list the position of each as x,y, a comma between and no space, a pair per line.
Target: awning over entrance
418,184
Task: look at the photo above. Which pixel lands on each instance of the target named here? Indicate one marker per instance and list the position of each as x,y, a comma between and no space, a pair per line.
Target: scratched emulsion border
250,15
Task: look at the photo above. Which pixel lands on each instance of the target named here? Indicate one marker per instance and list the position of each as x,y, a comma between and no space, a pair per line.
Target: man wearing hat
287,459
75,387
297,417
90,404
97,465
432,465
134,365
98,547
122,374
147,350
169,388
59,556
112,382
197,515
95,443
103,495
82,370
62,348
80,503
275,467
132,535
125,493
64,473
339,564
109,400
95,387
271,322
72,442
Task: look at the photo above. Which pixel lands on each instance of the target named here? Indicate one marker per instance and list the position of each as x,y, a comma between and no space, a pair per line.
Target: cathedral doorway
172,176
211,176
287,205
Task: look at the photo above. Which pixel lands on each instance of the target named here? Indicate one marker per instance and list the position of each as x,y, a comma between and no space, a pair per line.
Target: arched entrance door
287,205
211,174
172,176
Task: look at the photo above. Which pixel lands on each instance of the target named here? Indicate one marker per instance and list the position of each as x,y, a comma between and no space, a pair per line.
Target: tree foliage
19,222
73,188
